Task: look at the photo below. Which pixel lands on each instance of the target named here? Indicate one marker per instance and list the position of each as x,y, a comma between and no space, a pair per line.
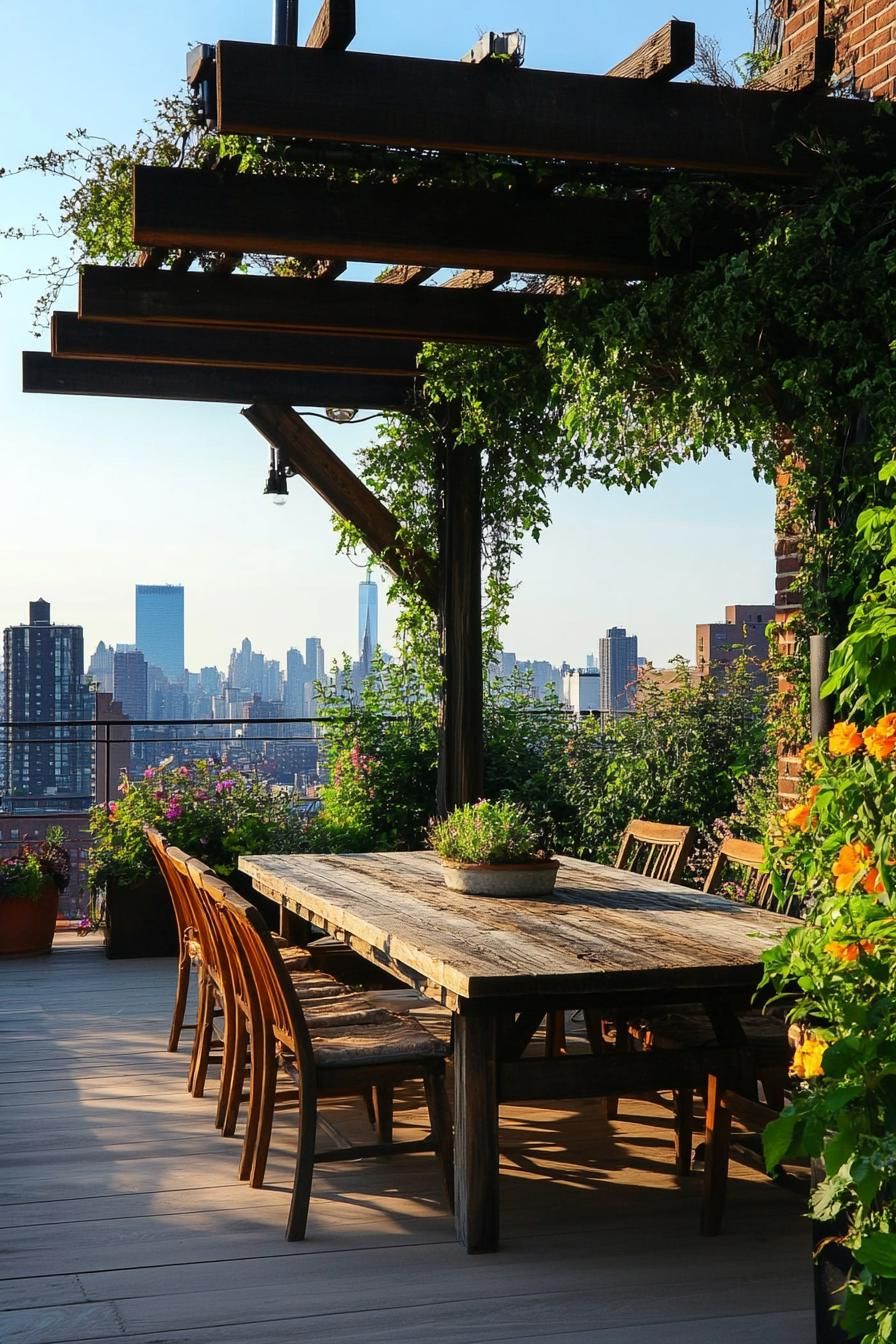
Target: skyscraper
130,683
315,667
47,768
617,655
296,677
101,667
368,634
160,627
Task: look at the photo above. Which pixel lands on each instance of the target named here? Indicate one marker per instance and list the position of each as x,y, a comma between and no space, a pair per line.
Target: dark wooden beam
395,100
183,382
335,26
667,53
809,67
178,207
125,294
461,757
235,347
312,459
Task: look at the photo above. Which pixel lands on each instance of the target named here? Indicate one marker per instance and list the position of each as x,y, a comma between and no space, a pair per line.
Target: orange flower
880,739
871,882
851,863
850,952
844,739
797,817
807,1058
812,795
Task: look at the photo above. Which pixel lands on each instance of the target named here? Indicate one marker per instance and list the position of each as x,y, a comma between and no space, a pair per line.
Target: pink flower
174,811
200,795
184,772
149,773
223,785
111,808
159,794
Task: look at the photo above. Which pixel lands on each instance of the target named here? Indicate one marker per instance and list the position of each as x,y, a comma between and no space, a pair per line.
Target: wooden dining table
607,940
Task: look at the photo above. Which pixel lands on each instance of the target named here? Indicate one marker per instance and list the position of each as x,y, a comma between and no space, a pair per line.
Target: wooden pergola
161,330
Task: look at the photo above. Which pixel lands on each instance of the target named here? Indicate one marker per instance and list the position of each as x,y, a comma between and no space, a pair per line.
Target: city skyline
171,493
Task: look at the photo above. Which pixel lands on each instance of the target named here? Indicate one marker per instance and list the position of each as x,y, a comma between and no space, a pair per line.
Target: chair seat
295,958
688,1026
315,986
386,1040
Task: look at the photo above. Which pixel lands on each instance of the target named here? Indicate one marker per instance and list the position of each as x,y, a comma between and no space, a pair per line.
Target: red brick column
866,39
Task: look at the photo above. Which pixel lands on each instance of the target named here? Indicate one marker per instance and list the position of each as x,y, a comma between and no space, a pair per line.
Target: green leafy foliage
25,875
205,808
695,753
835,851
486,832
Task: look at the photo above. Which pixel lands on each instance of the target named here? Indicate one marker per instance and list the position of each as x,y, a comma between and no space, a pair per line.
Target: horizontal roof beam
479,230
361,98
183,382
126,294
234,347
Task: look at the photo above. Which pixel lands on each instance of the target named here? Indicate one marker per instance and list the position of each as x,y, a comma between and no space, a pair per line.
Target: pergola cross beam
310,457
426,104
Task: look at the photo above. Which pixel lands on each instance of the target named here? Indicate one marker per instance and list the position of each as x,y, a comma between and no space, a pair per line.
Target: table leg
476,1133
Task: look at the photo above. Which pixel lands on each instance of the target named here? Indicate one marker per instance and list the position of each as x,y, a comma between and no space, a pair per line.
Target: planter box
500,879
830,1271
27,927
139,919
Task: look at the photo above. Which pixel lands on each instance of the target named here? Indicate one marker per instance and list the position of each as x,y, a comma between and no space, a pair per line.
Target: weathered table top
603,929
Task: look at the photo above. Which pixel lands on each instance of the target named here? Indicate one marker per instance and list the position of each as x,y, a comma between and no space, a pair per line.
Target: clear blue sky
97,495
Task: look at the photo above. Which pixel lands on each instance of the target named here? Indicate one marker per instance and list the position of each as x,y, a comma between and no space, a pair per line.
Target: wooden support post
475,1133
460,777
663,56
307,454
334,27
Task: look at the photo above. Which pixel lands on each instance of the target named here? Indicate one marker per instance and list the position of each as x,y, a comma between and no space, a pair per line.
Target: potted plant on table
492,849
30,883
837,850
206,809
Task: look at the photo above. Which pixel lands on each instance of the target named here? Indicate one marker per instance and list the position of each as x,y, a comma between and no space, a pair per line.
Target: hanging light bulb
340,415
275,485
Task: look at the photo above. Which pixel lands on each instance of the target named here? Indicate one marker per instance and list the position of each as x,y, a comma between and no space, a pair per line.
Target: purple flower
173,812
149,773
223,785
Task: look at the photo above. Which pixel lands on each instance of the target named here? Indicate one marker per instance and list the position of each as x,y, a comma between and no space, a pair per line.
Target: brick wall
865,63
866,39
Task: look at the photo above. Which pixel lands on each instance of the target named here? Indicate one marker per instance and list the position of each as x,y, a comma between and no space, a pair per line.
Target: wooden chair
330,1054
657,851
687,1025
188,949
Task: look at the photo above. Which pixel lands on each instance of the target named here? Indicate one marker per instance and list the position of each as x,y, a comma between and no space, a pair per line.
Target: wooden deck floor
122,1217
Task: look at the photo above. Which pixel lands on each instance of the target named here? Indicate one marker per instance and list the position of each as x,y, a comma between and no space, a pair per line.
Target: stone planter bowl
501,879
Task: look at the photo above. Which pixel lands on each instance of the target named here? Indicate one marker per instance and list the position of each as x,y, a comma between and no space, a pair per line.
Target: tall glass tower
368,636
160,627
618,661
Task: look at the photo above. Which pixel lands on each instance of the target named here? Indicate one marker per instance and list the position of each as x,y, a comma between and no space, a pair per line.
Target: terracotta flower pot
27,926
501,879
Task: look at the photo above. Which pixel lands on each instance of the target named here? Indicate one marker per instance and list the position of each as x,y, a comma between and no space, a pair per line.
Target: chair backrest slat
656,850
751,884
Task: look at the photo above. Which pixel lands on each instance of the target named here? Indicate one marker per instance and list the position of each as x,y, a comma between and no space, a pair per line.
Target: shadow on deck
123,1217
